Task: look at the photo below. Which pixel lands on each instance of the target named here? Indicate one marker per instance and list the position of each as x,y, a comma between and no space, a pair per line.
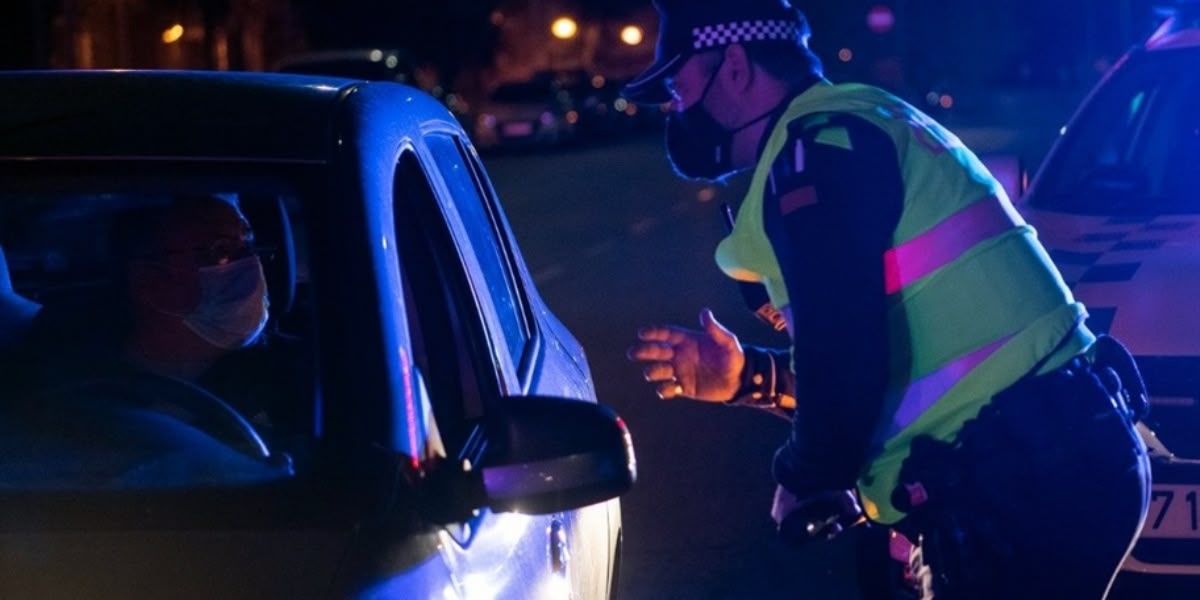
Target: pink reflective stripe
924,392
946,241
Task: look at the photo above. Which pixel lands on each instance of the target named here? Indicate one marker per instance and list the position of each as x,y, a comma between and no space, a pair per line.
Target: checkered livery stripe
711,36
1146,231
1084,267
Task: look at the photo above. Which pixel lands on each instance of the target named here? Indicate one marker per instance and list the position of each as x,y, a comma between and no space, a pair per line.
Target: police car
1117,204
440,435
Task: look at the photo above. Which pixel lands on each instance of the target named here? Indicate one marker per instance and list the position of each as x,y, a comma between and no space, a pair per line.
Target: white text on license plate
1174,512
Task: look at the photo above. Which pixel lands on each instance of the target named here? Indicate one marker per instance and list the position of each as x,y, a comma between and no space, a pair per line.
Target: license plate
1174,512
519,129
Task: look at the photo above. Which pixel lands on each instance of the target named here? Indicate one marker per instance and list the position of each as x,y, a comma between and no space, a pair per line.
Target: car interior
62,316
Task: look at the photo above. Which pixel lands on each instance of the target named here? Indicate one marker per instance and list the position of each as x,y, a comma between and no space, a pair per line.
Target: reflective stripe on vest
946,241
937,247
957,237
924,392
913,260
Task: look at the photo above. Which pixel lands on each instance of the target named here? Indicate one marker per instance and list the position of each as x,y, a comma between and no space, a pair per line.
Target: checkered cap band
711,36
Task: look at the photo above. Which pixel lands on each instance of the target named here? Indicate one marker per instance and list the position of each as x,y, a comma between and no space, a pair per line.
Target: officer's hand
703,365
817,517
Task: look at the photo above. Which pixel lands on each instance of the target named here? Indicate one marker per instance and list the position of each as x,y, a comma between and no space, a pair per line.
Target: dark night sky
969,42
988,40
423,22
453,34
1035,31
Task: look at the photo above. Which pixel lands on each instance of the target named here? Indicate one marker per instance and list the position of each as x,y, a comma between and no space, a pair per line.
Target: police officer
941,379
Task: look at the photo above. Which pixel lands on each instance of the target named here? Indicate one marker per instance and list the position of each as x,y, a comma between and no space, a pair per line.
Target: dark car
1117,203
374,64
540,112
429,430
605,115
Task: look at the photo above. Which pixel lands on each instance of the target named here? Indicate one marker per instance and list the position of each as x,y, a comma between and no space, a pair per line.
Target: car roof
169,114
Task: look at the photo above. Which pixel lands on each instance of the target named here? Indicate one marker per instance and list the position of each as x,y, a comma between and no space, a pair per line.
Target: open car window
134,351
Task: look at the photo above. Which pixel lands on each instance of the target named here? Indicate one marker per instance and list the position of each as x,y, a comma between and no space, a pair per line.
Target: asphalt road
616,242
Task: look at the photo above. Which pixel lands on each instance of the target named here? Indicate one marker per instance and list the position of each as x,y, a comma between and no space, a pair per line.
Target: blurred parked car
537,113
554,107
1117,203
445,440
374,64
604,114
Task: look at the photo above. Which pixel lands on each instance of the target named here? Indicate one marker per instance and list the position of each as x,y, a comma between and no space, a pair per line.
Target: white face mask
232,311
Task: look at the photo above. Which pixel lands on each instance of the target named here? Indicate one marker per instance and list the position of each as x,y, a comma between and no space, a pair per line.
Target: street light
564,28
172,34
631,35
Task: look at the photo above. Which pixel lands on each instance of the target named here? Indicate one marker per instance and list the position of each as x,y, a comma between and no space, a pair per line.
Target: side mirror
546,455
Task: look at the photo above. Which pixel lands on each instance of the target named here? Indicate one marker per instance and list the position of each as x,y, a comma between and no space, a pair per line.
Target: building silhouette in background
534,36
188,34
925,46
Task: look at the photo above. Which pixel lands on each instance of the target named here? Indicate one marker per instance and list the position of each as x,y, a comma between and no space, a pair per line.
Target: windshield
1135,149
151,332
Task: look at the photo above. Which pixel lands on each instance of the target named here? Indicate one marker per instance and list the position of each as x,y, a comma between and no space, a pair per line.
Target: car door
551,360
469,327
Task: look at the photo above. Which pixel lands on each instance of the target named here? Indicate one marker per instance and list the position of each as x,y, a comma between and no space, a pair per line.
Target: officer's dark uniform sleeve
831,206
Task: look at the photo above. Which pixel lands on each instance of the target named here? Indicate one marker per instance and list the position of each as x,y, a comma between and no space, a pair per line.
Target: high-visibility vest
975,302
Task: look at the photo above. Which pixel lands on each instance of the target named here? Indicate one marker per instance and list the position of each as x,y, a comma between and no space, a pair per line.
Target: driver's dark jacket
268,382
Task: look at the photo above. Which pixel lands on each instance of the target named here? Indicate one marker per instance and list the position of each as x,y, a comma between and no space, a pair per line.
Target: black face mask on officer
697,145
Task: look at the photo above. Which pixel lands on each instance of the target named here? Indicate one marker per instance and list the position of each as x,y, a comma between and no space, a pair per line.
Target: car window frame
523,281
455,416
514,364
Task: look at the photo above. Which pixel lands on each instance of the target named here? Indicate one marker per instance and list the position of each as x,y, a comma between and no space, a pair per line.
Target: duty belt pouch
1112,359
962,551
968,500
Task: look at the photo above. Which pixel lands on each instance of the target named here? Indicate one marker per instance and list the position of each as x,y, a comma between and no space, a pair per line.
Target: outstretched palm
702,365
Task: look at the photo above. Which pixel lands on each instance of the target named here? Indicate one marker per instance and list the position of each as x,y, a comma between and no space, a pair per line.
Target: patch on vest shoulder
797,199
838,137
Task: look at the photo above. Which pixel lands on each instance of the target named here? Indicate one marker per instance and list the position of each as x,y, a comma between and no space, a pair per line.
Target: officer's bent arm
830,209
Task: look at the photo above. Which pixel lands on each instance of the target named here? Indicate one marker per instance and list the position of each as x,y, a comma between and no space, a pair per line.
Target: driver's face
204,234
213,233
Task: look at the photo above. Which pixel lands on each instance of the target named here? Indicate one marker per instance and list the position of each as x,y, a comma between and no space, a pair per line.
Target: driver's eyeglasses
223,251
